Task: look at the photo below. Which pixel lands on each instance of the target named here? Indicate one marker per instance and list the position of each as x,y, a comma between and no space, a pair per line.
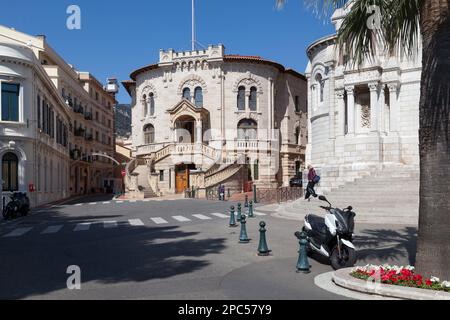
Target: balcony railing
89,137
88,116
79,132
78,109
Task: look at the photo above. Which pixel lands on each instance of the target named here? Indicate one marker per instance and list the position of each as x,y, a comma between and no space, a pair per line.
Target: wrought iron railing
279,195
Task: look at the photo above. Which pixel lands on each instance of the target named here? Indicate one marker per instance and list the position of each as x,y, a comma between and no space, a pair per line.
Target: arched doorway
185,129
10,172
182,175
247,129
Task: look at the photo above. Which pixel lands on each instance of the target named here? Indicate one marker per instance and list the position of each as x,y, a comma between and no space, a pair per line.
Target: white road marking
18,232
136,222
52,230
85,226
159,220
107,202
132,201
220,215
146,200
92,203
110,224
201,217
259,214
181,219
78,205
119,201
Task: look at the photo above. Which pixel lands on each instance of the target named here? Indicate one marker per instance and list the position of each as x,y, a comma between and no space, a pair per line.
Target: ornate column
331,101
382,111
341,113
393,100
199,134
374,107
351,109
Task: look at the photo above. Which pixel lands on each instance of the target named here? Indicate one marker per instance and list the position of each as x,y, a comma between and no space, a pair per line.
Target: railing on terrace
279,195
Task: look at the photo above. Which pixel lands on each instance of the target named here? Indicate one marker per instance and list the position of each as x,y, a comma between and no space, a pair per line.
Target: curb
343,279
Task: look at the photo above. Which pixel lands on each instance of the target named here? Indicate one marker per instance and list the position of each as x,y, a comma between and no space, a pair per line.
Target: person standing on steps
313,179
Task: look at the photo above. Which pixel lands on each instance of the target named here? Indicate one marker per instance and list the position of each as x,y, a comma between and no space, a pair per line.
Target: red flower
429,283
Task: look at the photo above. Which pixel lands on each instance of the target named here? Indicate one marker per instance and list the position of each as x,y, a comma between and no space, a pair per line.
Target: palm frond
398,31
319,7
402,26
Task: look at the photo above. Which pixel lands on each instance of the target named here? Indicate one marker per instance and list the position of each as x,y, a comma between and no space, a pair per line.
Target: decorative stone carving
248,81
192,82
148,88
365,117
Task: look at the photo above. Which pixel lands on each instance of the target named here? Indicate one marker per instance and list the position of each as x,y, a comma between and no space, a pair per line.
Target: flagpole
193,25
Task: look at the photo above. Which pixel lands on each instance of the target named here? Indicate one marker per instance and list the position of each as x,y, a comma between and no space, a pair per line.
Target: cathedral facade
362,119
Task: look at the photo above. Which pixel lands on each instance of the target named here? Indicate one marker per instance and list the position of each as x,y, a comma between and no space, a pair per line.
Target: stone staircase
143,181
388,196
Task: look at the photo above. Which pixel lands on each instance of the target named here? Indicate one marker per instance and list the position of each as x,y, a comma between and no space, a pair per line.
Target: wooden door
182,179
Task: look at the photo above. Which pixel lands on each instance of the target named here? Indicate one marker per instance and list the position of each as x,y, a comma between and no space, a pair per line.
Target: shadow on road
387,246
36,264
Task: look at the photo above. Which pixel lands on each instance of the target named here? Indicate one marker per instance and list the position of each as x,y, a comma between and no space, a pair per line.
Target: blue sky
118,36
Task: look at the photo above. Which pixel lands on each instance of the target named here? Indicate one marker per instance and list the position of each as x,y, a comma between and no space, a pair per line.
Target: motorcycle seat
317,223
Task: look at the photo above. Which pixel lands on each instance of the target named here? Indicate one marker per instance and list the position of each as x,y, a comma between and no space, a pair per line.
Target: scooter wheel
347,260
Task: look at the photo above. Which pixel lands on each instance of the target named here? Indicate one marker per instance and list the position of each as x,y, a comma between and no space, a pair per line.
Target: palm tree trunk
433,252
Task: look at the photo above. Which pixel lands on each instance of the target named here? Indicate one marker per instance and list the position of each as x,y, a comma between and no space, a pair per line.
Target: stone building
362,119
57,126
204,118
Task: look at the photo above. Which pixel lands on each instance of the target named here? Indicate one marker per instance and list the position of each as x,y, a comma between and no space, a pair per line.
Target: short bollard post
232,218
229,193
251,214
246,201
239,212
303,265
243,238
263,249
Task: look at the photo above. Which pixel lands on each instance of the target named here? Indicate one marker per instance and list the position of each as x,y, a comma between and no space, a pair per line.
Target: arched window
198,96
297,136
253,102
247,129
187,94
241,98
151,101
144,106
256,170
321,87
10,172
149,134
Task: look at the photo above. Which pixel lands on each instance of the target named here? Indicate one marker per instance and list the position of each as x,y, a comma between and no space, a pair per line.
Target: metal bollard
255,200
239,211
243,238
246,201
263,249
303,265
251,214
232,218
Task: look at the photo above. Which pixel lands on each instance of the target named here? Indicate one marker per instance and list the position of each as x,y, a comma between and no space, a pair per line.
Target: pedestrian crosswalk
86,226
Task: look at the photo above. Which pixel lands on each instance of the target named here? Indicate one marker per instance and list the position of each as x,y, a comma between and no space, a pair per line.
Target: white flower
435,280
445,284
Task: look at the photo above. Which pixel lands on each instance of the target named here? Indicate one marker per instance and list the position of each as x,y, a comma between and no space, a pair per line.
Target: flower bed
399,276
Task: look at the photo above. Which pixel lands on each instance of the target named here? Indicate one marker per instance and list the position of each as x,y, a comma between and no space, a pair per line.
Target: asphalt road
180,249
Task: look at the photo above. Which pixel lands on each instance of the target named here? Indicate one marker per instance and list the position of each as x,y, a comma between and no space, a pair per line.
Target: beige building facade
57,125
204,118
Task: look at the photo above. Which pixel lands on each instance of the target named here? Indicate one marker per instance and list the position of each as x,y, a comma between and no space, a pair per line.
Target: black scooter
332,236
19,205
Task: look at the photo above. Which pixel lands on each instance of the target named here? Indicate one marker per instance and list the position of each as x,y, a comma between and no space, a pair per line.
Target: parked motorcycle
19,205
332,236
